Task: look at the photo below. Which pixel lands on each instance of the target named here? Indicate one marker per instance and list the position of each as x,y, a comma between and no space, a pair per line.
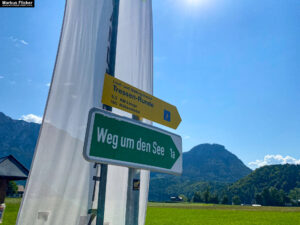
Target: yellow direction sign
121,95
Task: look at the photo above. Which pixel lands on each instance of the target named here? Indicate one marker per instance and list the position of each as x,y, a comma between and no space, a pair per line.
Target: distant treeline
268,197
275,185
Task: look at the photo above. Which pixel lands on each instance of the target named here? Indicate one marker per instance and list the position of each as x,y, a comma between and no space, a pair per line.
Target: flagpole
111,61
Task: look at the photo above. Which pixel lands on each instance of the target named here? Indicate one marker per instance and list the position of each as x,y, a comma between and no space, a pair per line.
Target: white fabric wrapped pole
133,65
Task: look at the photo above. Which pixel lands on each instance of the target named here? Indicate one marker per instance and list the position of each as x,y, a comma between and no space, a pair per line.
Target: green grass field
11,211
194,214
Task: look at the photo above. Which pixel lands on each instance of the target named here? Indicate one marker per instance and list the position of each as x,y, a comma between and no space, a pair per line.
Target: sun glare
193,8
195,5
194,2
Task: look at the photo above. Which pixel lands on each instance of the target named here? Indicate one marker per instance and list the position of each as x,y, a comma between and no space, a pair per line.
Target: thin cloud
18,41
186,137
48,84
1,77
24,42
274,159
32,118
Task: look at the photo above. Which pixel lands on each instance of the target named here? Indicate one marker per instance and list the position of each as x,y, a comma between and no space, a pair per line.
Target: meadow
11,211
198,214
209,214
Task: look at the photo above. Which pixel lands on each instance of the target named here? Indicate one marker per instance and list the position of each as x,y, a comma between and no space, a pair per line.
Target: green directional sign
117,140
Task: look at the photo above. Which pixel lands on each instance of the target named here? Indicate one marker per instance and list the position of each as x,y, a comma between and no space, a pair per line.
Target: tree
294,195
272,197
258,199
236,200
266,197
197,197
213,198
225,200
284,198
12,188
275,199
206,195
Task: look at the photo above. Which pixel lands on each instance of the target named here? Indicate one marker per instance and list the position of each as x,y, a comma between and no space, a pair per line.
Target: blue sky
231,67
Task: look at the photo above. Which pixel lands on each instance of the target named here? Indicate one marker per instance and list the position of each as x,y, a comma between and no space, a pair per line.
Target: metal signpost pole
133,195
111,60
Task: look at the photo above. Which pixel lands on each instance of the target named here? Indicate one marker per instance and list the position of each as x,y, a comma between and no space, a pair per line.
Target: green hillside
279,179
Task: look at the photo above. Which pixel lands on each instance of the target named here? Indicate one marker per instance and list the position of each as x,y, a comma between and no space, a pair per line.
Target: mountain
282,177
212,162
18,138
205,165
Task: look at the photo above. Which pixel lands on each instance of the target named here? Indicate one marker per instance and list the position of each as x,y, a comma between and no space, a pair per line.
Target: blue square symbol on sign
167,115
